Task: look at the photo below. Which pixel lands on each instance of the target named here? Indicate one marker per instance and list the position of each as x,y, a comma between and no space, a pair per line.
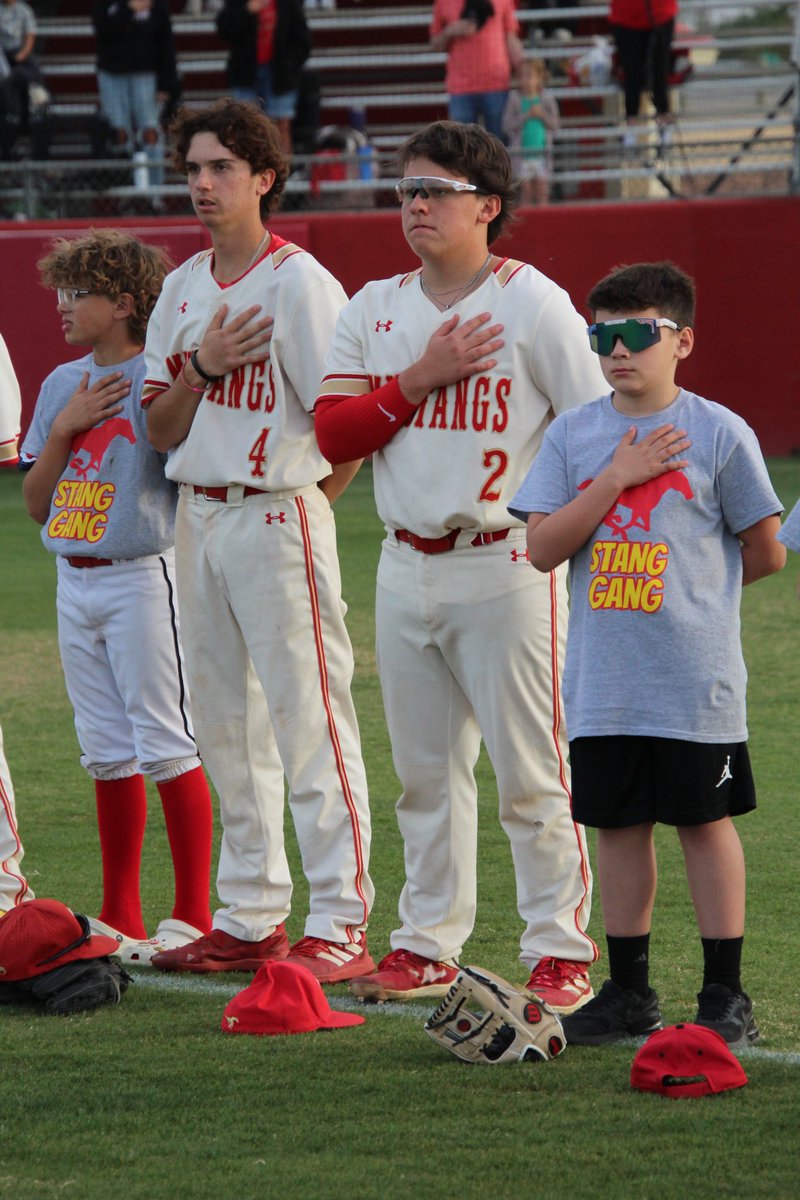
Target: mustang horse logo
640,501
95,443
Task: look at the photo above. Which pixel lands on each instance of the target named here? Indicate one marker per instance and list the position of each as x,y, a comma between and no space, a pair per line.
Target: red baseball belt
443,544
221,493
86,561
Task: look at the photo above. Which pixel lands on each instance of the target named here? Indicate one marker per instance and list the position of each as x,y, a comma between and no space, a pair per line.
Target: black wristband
203,374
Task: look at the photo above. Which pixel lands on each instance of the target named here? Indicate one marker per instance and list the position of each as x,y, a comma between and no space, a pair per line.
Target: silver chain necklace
460,292
260,247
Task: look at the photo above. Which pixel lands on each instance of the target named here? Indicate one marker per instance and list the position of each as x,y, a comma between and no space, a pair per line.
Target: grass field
150,1100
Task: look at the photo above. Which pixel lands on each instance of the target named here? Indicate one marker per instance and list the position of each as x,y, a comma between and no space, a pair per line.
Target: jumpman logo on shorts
726,772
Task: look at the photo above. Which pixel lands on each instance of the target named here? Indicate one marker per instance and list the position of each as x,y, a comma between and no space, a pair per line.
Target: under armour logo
726,772
383,326
232,1021
183,307
279,517
519,555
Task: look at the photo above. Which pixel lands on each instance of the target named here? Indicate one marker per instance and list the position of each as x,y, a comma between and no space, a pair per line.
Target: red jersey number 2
258,454
495,461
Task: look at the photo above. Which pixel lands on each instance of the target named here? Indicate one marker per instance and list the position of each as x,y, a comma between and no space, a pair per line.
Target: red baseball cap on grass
42,934
284,997
684,1061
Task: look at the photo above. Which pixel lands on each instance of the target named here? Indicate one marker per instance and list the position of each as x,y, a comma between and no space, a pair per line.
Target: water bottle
357,117
141,175
366,161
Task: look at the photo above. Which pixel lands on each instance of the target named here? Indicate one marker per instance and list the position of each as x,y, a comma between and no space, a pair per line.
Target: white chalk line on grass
201,985
213,987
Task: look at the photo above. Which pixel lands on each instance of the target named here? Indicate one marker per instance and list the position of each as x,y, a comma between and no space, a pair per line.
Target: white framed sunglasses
635,333
431,187
70,295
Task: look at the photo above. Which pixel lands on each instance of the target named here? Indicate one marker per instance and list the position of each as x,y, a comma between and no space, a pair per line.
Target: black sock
722,961
629,962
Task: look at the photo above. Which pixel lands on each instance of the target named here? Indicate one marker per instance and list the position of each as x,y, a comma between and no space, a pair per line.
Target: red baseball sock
121,819
187,813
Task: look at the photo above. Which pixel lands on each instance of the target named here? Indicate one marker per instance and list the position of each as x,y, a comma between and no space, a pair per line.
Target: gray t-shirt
790,530
16,22
654,643
113,500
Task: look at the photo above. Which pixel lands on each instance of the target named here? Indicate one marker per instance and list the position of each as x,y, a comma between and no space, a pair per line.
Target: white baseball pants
119,640
470,643
13,885
270,666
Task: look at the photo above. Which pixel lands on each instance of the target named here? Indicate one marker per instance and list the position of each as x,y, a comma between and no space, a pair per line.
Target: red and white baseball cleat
219,951
332,962
403,975
563,985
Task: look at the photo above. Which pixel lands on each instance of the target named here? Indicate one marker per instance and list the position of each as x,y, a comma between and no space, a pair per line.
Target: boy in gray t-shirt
790,532
662,503
97,488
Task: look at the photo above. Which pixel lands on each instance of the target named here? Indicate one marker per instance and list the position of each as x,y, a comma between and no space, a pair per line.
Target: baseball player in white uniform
97,488
13,885
258,573
449,376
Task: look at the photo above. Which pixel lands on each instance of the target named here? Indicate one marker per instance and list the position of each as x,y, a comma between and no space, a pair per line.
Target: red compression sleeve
359,425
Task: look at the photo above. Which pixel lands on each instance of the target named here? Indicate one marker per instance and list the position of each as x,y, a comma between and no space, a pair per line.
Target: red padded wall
743,254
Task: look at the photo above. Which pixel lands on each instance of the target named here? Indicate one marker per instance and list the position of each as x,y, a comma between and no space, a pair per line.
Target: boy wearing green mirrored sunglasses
662,504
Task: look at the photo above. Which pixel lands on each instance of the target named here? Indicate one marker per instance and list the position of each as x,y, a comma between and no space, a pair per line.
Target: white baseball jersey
470,642
254,427
10,409
267,651
459,461
13,887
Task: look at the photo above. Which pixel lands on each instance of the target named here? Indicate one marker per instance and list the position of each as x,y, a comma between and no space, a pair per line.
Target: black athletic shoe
728,1013
613,1015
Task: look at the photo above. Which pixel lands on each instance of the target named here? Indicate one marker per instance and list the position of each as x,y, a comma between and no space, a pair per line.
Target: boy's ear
264,181
124,306
684,342
489,209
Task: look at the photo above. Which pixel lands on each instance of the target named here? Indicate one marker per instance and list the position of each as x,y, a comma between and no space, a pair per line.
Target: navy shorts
631,780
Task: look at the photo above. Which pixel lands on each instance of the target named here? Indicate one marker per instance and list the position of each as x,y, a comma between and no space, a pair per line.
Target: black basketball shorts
632,780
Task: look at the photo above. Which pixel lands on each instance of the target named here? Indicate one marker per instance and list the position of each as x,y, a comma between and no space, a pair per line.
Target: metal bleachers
735,130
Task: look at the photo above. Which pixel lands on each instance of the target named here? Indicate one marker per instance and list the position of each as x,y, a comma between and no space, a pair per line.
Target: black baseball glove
76,987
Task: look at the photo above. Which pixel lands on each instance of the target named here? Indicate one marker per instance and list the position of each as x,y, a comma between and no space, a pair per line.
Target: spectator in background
21,83
530,119
136,71
642,31
269,43
481,38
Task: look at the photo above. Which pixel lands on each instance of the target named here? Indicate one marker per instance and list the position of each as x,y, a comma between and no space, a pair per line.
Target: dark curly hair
243,129
110,263
659,285
468,150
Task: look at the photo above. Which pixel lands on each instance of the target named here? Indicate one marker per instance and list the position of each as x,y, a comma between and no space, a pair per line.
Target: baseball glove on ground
483,1019
76,987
